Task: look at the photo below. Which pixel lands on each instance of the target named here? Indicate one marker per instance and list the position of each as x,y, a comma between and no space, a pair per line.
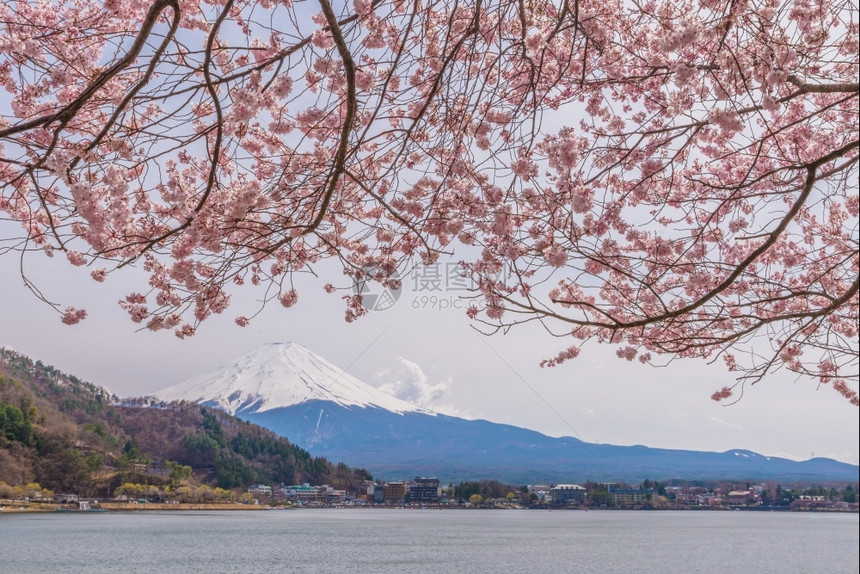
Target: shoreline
32,508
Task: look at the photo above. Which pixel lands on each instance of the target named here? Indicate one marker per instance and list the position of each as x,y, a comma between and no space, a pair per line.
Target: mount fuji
321,408
282,375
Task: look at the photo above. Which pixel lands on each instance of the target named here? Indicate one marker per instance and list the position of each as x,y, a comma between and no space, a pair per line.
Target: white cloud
721,422
407,381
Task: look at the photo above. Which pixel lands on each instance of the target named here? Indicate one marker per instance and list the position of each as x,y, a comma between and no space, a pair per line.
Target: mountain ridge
409,441
400,446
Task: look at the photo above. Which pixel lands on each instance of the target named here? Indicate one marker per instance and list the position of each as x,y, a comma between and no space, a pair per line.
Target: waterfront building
424,491
631,496
566,493
395,492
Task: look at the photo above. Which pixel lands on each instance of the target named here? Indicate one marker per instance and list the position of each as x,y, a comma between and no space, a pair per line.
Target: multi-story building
301,492
625,496
541,491
260,490
424,491
395,491
566,493
740,497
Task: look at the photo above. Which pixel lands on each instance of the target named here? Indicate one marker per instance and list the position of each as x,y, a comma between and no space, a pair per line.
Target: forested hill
69,435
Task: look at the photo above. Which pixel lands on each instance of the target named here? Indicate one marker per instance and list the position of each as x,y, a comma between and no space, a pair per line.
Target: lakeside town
491,494
69,445
427,492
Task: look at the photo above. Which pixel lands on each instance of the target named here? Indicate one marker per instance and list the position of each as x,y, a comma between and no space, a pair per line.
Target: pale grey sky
428,354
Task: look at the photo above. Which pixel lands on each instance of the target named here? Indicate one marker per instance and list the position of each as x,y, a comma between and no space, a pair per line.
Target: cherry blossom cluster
674,178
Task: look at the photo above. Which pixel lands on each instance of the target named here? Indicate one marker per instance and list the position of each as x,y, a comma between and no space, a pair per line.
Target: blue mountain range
300,395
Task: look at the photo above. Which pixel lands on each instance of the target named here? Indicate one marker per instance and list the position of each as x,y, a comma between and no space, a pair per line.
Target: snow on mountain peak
281,375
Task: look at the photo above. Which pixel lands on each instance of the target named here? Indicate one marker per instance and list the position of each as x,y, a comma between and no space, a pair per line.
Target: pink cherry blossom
555,255
363,7
670,178
72,316
289,298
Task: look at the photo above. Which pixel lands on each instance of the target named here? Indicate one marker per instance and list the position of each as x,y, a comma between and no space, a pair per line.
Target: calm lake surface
430,541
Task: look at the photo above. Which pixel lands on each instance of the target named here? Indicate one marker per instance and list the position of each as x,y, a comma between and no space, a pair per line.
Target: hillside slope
72,436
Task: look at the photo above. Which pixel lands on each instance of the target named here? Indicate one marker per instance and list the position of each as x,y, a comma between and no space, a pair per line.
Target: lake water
430,541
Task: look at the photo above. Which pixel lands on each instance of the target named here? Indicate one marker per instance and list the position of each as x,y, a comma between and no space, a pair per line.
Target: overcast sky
425,351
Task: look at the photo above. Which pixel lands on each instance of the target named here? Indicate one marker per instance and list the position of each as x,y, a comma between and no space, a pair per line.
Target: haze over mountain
316,405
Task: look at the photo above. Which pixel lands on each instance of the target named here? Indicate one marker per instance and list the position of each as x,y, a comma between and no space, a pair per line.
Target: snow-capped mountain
281,375
317,406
